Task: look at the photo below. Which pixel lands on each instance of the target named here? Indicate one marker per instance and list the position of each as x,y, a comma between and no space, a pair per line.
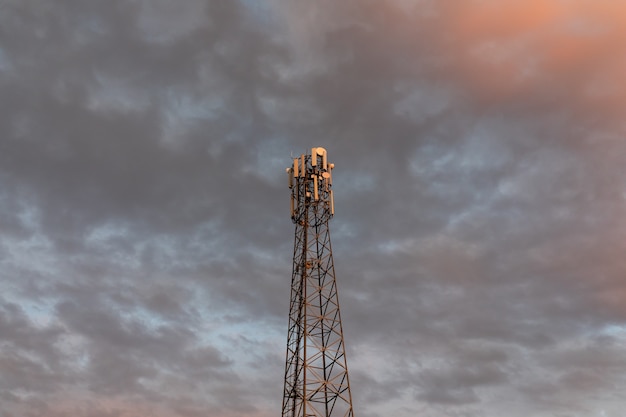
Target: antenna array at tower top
310,181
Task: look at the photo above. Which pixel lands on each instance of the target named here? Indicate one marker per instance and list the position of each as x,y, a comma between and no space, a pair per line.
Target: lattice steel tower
316,372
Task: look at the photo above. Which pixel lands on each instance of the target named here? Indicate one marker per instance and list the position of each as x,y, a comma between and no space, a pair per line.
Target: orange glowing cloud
507,48
476,20
550,53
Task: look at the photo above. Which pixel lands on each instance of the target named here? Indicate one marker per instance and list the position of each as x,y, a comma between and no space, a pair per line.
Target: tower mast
316,371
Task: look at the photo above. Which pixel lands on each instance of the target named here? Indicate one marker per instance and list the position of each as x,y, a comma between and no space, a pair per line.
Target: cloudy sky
480,186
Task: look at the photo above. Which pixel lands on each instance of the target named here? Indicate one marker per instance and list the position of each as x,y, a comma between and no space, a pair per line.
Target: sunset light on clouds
480,191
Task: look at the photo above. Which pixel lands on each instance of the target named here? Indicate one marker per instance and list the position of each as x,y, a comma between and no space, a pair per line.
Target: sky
480,203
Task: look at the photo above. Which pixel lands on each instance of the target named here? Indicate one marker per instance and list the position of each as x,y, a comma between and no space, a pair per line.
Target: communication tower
316,371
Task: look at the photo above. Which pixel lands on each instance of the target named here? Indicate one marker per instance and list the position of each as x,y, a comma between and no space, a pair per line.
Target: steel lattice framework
316,372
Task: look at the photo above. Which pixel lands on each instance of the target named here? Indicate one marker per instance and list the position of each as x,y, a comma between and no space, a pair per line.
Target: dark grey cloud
145,245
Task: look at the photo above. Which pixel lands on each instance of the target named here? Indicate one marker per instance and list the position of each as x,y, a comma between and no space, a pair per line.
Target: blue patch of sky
111,93
239,340
106,232
203,240
397,245
163,249
615,330
254,331
29,215
261,12
30,256
74,347
39,311
182,110
233,335
150,321
181,105
421,102
24,258
107,238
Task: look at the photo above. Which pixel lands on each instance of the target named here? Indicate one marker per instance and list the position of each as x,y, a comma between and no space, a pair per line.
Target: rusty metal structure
316,371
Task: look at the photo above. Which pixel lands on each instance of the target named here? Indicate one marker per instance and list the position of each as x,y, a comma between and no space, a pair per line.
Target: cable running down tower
316,372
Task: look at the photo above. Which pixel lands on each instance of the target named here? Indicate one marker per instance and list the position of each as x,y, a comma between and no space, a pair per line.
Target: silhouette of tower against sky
316,371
